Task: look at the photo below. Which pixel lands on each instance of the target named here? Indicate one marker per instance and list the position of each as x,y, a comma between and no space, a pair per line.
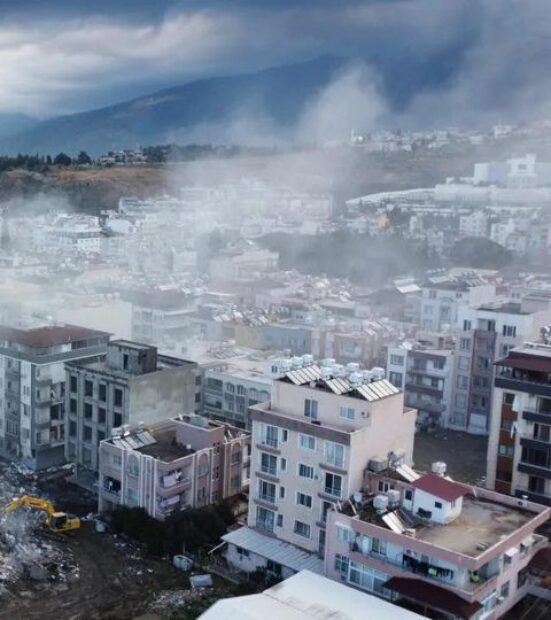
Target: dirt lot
87,575
464,454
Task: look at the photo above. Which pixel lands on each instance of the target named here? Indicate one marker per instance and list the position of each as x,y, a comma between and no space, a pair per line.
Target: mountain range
276,96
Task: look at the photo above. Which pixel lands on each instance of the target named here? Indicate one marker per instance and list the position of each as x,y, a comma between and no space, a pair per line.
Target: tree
48,160
62,159
479,252
83,158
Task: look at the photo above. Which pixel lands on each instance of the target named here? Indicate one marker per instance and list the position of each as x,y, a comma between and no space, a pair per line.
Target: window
344,534
268,464
427,310
482,362
504,592
281,492
266,491
396,378
307,441
117,460
102,392
304,500
439,364
101,415
347,413
541,432
72,429
432,294
334,454
88,388
118,397
460,401
117,420
504,450
87,411
397,360
506,425
378,546
341,564
467,325
264,519
302,529
284,435
508,398
270,435
242,552
73,405
510,330
408,495
279,520
464,344
536,485
504,476
273,568
438,505
311,409
305,471
73,383
283,464
230,387
463,363
462,382
87,433
333,484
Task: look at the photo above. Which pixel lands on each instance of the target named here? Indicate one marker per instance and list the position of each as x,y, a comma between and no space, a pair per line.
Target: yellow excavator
58,522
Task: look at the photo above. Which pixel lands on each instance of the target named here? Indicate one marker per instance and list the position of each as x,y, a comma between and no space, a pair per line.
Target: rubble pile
28,553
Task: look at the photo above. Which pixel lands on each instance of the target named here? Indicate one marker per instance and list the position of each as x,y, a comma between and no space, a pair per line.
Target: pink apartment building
185,462
449,549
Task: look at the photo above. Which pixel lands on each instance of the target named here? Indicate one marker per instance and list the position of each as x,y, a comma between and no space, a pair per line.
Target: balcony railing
265,497
269,471
333,491
267,526
272,442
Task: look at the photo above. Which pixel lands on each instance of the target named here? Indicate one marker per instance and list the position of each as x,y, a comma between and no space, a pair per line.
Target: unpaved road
113,582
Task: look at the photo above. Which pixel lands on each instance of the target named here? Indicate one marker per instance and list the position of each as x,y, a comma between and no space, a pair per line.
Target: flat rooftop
165,448
481,522
508,307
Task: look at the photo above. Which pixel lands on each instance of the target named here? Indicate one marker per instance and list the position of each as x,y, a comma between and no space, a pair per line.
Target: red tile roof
440,487
48,335
433,596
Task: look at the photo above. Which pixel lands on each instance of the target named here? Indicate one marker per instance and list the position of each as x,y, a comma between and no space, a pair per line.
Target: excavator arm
58,522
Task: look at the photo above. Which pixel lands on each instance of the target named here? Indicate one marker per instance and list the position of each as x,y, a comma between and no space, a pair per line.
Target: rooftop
305,596
166,448
49,335
507,307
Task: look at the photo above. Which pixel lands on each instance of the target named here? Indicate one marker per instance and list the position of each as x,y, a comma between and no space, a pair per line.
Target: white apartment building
310,446
81,234
474,224
440,300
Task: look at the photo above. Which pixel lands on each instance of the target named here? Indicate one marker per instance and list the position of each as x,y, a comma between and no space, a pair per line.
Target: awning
524,362
433,596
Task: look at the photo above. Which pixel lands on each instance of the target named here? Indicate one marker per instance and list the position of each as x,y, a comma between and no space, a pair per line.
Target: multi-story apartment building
519,447
132,383
424,370
310,445
441,300
487,333
456,551
185,462
32,388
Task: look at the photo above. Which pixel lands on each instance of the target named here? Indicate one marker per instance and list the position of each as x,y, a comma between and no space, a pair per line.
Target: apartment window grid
334,454
311,409
333,485
304,500
305,471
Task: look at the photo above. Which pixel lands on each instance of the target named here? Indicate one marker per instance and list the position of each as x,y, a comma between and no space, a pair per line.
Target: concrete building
424,370
474,224
441,300
519,448
185,462
307,596
32,383
456,551
310,445
488,332
131,384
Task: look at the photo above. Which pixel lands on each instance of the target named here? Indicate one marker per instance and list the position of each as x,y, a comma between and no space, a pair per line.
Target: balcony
422,405
534,470
527,384
532,415
538,498
265,497
268,471
335,492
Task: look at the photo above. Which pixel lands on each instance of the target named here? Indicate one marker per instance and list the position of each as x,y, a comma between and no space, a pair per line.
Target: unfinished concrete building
131,384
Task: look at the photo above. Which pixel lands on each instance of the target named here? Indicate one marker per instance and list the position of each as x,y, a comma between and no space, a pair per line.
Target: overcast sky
59,56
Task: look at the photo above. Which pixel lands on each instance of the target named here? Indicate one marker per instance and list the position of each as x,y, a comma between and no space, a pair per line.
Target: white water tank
339,370
380,503
355,378
296,362
439,467
352,367
393,498
307,359
326,372
378,373
328,361
358,498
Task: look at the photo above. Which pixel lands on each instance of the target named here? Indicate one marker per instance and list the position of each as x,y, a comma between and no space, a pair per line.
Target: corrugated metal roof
281,552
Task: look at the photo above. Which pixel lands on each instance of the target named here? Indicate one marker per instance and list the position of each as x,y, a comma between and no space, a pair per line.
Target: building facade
310,445
132,383
185,462
32,381
454,550
519,448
